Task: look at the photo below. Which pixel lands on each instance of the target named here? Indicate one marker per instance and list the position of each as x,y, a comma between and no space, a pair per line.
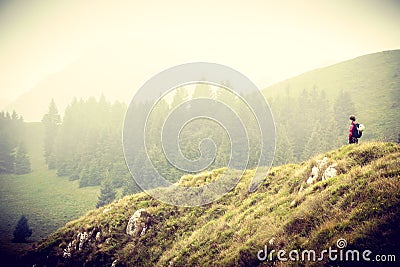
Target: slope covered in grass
360,204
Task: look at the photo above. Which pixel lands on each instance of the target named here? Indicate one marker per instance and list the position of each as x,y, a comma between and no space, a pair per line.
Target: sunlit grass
360,204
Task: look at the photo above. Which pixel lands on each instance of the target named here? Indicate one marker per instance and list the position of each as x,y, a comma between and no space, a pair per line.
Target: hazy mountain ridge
360,76
360,204
84,78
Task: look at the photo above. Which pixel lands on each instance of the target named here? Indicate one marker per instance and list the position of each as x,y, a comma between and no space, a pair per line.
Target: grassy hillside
360,204
373,83
48,201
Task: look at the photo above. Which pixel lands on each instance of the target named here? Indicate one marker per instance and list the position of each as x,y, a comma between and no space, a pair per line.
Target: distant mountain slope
360,207
372,81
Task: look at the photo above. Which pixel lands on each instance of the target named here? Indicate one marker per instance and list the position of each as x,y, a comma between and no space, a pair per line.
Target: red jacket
351,129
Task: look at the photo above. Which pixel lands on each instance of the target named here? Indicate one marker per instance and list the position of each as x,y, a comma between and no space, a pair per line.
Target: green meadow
48,201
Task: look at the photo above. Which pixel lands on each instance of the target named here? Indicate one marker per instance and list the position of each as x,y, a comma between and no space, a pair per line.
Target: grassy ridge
361,204
48,201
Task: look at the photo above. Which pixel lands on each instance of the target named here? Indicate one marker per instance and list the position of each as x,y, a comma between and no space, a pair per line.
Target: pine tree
180,96
7,142
22,163
6,155
107,194
284,148
315,143
202,89
51,122
22,231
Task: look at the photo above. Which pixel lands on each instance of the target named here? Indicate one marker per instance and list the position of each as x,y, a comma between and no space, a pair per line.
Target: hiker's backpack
357,130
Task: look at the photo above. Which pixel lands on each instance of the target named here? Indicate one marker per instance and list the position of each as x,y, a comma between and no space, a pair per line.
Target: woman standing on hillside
353,139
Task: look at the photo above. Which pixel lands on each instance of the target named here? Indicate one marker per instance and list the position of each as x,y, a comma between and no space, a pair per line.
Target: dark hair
353,118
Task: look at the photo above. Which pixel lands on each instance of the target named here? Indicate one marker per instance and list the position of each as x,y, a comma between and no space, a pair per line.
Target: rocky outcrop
138,223
90,240
330,172
327,172
81,241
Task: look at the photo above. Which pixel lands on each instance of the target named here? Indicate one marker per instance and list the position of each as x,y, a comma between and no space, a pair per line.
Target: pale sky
268,41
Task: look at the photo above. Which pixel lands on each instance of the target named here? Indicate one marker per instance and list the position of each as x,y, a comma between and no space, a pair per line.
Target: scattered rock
330,172
98,236
80,242
314,175
293,203
143,231
83,237
300,190
271,241
68,250
316,170
138,223
114,263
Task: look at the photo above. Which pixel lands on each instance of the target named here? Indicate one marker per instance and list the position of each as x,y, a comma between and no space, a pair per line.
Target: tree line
13,153
309,124
86,143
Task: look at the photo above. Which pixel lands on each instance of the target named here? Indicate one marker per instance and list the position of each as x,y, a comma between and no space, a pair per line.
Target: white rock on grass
300,190
271,241
314,175
114,263
98,236
138,223
330,172
83,237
